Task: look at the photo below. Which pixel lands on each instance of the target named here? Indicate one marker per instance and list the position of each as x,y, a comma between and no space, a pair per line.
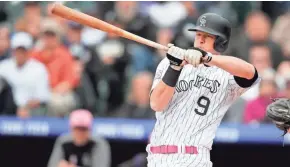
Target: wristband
207,58
171,76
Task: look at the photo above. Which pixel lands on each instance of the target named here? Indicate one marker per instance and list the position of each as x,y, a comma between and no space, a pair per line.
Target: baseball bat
82,18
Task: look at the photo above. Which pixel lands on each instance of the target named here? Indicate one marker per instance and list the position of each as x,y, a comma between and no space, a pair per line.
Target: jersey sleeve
160,71
236,89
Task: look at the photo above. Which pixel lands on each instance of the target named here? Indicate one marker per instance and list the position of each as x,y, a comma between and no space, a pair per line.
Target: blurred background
69,66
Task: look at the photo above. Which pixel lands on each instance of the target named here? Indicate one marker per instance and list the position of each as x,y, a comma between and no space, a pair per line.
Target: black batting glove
175,56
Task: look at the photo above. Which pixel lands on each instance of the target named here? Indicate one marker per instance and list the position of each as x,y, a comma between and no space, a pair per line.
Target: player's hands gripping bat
196,56
279,113
193,57
175,55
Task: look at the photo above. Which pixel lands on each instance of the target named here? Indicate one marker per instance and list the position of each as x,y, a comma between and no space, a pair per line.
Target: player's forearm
164,90
234,66
161,96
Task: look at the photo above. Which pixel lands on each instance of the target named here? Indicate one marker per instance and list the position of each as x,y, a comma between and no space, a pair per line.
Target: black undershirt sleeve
245,83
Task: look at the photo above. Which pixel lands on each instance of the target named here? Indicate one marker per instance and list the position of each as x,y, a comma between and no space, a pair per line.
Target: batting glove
197,56
175,56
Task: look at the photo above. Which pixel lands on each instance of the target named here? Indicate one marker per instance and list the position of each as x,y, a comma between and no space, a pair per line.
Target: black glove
279,113
175,56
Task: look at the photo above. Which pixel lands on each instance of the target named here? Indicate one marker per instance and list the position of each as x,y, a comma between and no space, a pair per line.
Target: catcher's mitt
279,113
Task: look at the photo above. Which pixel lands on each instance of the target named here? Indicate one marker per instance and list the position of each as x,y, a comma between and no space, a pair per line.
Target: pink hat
81,118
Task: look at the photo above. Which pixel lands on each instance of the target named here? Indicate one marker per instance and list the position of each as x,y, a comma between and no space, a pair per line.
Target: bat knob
53,6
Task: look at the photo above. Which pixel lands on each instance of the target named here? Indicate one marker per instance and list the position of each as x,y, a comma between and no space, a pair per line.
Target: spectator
31,19
81,52
144,60
242,9
260,57
78,50
80,148
128,16
74,40
87,63
255,110
184,38
280,28
22,72
7,105
60,64
224,9
114,54
275,8
160,12
256,31
73,35
5,43
283,74
62,23
138,105
85,90
3,13
286,92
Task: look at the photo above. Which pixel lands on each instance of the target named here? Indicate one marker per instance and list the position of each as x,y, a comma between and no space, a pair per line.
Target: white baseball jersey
201,98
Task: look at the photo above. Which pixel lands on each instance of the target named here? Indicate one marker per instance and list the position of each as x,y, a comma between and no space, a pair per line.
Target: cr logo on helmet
202,21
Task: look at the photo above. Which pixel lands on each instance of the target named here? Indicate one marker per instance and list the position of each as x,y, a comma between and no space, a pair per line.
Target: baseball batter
191,93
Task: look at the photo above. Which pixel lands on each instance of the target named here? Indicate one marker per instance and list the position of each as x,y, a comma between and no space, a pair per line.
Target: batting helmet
216,25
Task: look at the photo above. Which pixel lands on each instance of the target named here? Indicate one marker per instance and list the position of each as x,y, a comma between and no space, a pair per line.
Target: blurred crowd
51,66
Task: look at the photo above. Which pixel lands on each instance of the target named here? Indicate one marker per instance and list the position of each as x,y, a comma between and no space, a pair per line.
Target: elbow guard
245,83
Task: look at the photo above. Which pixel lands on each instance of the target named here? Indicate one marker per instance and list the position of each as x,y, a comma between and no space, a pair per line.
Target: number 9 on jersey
203,103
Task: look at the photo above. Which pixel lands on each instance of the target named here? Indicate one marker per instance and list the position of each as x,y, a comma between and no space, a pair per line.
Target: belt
171,149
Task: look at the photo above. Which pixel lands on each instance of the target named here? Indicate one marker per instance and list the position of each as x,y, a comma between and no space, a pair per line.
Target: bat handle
162,47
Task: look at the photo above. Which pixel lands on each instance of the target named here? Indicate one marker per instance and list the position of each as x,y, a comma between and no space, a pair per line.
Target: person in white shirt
27,77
